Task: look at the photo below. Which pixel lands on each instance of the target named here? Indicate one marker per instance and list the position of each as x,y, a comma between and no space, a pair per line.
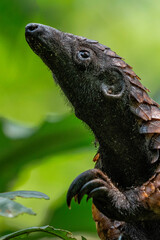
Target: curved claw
89,187
100,191
78,182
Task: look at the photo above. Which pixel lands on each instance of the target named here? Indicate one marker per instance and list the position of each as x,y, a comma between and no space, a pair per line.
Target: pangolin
108,96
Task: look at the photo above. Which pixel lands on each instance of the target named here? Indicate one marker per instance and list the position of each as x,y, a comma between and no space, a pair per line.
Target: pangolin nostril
31,27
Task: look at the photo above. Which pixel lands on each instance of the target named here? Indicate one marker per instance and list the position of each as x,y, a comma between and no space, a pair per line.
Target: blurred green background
43,146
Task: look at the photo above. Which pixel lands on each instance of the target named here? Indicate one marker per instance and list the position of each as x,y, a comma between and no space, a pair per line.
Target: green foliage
12,209
47,229
61,137
21,145
9,208
23,194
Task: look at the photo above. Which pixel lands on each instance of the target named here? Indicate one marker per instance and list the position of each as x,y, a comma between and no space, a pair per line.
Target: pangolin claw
89,187
89,182
77,184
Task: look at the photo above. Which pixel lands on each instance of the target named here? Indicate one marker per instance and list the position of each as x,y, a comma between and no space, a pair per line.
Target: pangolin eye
83,54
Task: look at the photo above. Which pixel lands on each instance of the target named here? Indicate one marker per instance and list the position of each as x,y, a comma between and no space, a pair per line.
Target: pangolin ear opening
113,83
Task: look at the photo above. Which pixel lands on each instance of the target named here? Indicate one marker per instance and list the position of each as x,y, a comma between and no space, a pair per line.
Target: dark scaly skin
106,228
107,95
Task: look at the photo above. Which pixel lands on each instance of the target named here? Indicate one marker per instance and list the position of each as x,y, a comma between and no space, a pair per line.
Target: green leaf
23,194
9,208
20,145
63,234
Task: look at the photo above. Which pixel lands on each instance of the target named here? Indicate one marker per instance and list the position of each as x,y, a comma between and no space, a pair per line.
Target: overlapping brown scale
136,82
146,108
155,103
119,63
142,110
154,202
148,100
146,111
106,228
137,93
155,142
150,127
155,112
132,77
110,53
141,96
130,72
150,194
150,188
101,46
